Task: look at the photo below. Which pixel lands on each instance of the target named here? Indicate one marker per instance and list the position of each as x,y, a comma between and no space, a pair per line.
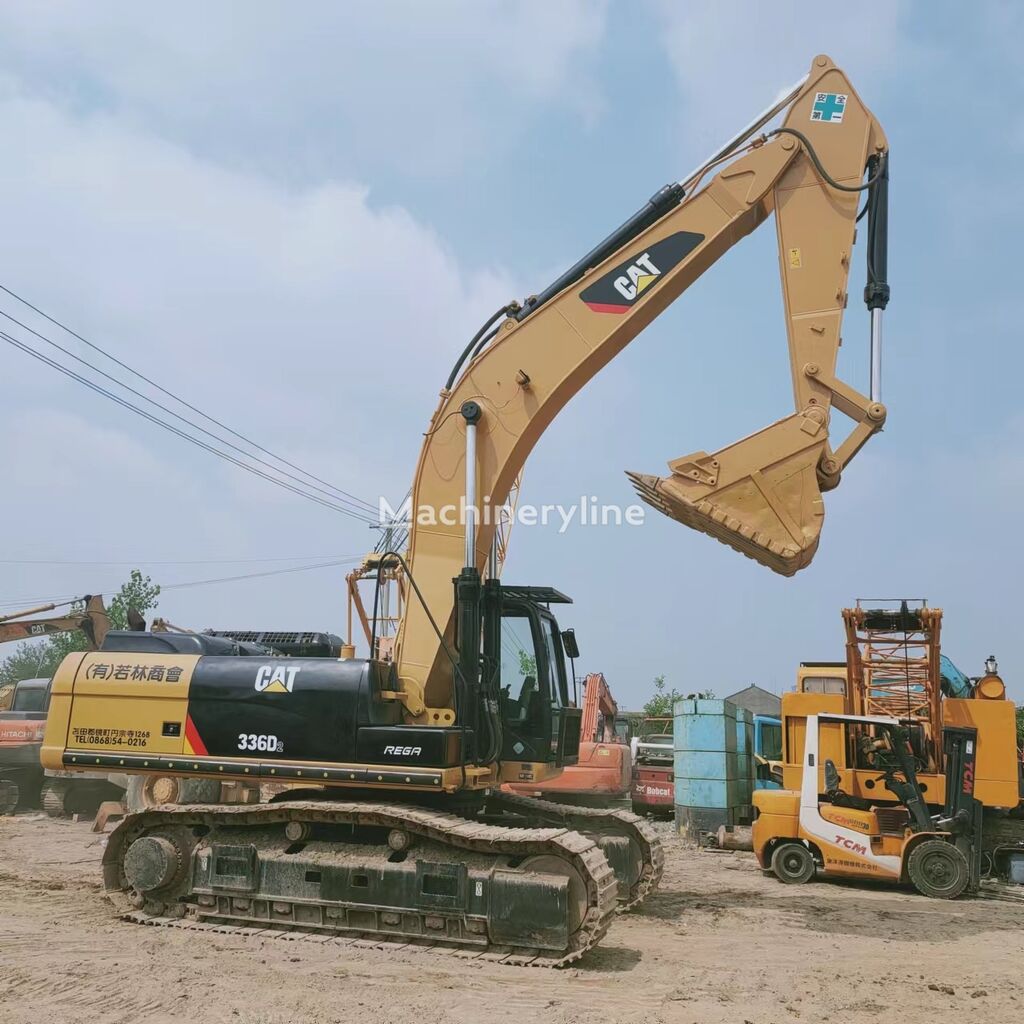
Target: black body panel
417,745
301,709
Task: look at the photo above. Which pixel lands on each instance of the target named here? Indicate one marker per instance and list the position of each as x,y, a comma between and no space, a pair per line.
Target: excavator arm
598,703
761,495
92,620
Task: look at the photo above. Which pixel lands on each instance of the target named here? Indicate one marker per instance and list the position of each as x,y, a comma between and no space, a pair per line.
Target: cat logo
637,277
276,678
621,287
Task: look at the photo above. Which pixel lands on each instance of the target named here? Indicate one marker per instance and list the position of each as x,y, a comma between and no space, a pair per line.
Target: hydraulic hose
506,310
819,167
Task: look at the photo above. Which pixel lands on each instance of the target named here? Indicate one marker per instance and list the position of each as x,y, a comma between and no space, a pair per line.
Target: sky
296,216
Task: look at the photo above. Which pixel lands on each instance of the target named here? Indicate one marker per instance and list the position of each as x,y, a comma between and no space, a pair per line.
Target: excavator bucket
761,495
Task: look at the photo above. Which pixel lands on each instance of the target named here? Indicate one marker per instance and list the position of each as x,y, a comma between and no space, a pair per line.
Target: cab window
30,698
556,664
771,742
520,682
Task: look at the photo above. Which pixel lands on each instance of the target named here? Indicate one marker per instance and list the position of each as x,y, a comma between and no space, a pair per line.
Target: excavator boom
761,495
92,620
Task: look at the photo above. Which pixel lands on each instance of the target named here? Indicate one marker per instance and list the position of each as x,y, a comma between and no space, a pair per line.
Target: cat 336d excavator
403,834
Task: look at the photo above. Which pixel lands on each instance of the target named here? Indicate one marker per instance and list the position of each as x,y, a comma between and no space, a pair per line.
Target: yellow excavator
88,614
402,833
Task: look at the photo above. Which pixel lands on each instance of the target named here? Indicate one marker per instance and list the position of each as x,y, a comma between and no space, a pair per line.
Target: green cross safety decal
829,106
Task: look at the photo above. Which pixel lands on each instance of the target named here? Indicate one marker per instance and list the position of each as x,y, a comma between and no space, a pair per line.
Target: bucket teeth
761,495
720,521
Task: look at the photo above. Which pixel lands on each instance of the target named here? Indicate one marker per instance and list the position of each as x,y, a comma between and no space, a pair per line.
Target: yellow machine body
445,705
779,819
822,826
997,783
131,712
908,659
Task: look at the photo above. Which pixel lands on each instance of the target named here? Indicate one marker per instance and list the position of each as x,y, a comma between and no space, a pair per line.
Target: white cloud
732,66
188,193
290,311
311,319
305,91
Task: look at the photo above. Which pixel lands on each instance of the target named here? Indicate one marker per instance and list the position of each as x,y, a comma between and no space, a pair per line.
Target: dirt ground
717,943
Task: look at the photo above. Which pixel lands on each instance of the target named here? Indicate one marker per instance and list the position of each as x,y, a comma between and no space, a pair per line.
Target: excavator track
526,896
647,854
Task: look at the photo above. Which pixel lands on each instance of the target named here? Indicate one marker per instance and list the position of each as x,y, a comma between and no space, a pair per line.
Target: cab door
537,722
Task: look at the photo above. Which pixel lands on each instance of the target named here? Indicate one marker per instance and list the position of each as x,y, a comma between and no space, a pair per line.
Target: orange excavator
603,772
23,705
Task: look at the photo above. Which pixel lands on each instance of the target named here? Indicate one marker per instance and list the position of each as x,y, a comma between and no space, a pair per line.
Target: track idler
761,495
632,847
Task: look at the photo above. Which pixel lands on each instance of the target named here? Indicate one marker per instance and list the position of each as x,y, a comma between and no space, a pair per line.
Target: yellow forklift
795,834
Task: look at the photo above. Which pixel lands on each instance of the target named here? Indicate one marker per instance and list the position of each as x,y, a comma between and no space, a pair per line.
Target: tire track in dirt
718,944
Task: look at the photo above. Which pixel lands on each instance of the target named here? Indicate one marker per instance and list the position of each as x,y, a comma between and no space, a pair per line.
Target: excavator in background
959,735
23,707
403,834
88,614
602,775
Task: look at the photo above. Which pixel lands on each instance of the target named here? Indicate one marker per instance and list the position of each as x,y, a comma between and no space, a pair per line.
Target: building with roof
757,701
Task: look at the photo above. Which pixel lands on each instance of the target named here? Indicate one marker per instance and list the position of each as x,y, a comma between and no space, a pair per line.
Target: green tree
663,701
1020,726
660,705
29,661
33,659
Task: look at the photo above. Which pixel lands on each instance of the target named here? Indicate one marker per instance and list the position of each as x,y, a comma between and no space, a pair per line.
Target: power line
171,412
173,561
352,560
170,394
99,389
58,602
65,599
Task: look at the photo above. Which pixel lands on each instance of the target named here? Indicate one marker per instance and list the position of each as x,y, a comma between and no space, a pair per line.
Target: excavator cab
534,690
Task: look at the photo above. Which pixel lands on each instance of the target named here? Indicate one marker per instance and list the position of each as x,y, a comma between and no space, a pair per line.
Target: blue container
713,765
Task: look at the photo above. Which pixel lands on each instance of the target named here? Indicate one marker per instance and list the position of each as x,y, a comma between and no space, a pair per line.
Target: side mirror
572,649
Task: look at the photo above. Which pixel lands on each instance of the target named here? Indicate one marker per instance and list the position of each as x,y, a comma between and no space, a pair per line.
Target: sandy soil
717,943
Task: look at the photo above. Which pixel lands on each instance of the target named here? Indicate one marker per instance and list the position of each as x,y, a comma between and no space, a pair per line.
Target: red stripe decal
194,739
607,307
